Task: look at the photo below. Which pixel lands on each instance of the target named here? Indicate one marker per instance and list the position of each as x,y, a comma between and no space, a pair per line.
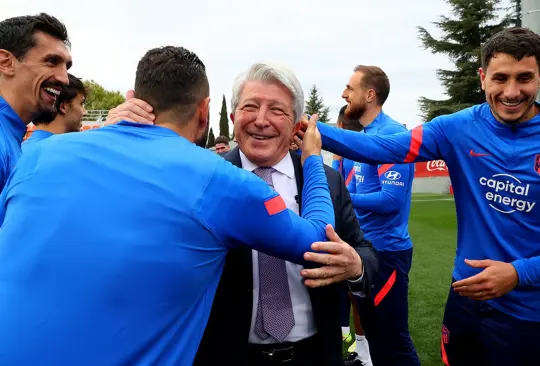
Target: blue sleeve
241,209
394,191
395,180
424,143
528,271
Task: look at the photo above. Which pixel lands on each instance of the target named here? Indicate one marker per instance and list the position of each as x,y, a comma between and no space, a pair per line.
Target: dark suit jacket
225,340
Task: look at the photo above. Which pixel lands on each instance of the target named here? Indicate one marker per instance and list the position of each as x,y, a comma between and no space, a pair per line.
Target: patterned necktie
275,313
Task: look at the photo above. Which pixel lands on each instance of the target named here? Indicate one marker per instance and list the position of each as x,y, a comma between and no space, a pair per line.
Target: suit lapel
299,175
234,157
244,252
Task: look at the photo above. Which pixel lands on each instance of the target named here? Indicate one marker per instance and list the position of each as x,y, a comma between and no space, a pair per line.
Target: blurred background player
222,145
355,344
67,117
381,196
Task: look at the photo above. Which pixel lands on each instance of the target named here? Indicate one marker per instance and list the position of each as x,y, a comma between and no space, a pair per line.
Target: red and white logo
433,165
537,164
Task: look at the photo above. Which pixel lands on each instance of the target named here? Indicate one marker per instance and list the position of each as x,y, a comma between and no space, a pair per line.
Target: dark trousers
306,352
385,313
476,334
344,306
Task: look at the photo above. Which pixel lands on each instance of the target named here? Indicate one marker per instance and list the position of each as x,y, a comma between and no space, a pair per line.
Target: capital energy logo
507,193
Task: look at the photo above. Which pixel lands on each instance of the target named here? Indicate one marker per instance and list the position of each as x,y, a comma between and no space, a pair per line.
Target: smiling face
264,121
357,96
40,75
73,113
511,87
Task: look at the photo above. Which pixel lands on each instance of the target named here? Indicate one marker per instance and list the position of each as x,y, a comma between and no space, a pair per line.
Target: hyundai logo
392,175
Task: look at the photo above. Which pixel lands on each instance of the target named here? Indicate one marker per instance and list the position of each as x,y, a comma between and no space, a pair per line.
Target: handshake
307,137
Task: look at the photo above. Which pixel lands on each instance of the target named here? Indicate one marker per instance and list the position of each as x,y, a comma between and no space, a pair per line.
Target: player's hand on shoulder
132,110
340,262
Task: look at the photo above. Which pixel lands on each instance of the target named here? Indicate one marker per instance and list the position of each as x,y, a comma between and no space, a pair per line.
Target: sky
321,41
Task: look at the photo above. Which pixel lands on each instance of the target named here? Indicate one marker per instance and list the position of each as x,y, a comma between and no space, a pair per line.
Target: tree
515,11
315,104
473,22
224,119
101,99
211,142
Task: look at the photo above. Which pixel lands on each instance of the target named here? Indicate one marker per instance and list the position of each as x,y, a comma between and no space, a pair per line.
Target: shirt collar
284,166
380,118
40,134
15,125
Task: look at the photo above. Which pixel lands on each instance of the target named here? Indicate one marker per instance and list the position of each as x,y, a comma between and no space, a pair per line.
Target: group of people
132,244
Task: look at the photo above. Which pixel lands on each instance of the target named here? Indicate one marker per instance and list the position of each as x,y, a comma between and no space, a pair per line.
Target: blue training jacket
495,173
381,194
113,242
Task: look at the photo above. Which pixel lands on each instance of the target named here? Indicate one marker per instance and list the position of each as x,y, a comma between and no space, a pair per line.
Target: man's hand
496,280
341,263
132,110
312,142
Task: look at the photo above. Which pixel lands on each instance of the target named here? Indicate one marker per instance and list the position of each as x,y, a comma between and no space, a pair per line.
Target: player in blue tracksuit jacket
381,196
29,84
130,227
356,343
492,151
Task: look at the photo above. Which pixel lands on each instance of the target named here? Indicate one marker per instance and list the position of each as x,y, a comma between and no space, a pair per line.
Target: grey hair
271,72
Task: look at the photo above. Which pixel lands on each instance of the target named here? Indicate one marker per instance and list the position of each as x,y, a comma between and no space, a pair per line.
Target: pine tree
514,10
473,22
315,104
224,119
211,139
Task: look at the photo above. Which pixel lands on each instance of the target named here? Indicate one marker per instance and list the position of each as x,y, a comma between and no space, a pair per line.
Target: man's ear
371,96
62,108
7,63
204,107
232,117
482,78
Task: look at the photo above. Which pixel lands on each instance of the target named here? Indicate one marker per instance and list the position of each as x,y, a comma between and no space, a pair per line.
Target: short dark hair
17,34
516,42
348,124
375,78
222,140
172,78
67,94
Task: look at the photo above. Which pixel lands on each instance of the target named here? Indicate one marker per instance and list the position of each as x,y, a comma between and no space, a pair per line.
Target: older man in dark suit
267,311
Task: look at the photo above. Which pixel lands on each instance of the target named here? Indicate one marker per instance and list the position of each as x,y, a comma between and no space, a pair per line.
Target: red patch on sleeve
275,205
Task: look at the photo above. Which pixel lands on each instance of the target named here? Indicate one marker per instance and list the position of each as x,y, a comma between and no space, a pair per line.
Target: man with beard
122,266
34,59
492,151
67,118
381,196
